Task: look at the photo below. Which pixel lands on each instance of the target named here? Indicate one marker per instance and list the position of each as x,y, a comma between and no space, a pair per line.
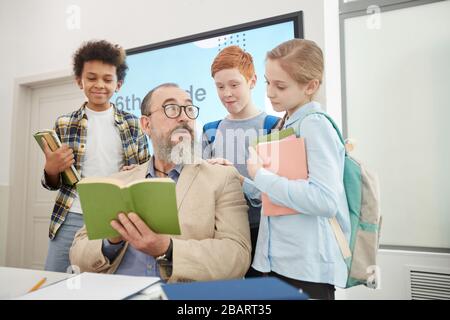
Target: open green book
154,200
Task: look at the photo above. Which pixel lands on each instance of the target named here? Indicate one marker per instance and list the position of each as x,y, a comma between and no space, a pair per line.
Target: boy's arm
50,183
54,161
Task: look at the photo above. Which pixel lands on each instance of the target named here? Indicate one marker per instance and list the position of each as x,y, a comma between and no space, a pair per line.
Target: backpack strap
270,122
338,233
340,238
336,128
210,130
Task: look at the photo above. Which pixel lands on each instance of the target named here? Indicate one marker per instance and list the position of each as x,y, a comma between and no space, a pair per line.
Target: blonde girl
301,248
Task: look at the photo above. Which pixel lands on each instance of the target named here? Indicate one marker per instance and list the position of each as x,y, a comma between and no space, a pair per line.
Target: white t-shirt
104,153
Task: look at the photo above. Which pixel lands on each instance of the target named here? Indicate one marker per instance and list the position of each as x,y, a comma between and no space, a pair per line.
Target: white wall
332,54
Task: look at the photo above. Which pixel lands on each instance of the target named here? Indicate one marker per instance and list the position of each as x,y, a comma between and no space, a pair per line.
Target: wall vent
429,284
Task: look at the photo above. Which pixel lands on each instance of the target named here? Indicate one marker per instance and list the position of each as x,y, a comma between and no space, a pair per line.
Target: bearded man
215,238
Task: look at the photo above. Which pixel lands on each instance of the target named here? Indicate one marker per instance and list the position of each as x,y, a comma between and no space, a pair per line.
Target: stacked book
70,176
285,155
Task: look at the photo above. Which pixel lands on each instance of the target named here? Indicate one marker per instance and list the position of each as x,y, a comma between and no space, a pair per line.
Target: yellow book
70,175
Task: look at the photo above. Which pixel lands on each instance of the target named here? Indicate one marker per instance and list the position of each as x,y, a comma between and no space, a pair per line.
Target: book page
152,180
106,180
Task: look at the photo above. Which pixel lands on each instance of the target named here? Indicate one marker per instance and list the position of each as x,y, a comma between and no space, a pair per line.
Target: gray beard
184,152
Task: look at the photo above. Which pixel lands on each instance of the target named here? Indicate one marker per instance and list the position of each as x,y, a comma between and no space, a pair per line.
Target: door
47,103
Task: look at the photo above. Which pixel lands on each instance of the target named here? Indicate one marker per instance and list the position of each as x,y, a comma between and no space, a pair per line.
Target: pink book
286,158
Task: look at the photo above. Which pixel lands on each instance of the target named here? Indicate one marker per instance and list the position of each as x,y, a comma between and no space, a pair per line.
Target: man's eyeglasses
173,111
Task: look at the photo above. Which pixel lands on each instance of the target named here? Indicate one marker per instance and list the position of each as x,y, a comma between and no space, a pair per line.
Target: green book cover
154,200
274,136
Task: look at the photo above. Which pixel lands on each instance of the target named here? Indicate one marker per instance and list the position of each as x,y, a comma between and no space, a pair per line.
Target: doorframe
20,136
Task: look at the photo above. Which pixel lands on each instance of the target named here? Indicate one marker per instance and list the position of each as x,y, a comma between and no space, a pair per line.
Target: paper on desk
92,286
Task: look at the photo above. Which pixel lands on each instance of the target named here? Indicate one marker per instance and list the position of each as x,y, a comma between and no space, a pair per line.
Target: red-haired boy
226,141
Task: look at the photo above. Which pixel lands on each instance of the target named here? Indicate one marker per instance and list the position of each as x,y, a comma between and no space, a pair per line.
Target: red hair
234,57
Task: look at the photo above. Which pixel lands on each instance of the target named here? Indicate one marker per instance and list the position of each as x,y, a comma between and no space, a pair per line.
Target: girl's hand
254,162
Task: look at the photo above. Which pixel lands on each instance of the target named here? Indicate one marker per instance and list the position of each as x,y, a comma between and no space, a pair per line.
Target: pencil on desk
38,285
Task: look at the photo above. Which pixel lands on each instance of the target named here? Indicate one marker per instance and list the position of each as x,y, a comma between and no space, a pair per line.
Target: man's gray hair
145,105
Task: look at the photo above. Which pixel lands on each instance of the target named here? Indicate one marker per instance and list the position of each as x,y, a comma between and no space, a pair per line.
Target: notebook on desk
262,288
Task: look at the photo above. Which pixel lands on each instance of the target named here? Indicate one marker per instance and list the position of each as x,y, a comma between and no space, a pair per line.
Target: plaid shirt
71,130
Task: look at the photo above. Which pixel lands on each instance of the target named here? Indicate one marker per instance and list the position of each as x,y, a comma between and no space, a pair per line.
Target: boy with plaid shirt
97,138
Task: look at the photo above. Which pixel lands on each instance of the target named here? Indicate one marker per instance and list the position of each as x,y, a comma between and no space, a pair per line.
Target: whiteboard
398,112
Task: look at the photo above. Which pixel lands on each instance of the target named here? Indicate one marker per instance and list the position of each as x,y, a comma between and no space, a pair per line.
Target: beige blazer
215,235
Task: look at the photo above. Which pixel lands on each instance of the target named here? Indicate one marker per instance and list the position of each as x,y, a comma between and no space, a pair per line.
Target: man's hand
130,167
139,235
57,161
221,161
225,162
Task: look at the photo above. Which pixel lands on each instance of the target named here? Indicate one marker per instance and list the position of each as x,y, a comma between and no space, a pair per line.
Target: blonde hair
301,59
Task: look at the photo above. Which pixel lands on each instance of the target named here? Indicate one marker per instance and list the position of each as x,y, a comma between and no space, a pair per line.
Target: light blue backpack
362,191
